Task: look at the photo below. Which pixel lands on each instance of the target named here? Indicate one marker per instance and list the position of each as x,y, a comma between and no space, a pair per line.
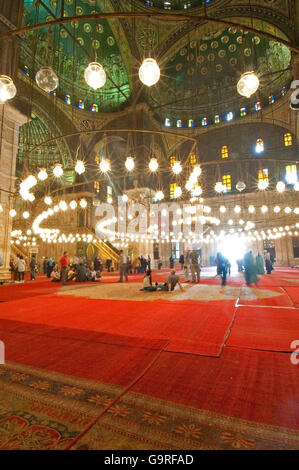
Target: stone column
10,121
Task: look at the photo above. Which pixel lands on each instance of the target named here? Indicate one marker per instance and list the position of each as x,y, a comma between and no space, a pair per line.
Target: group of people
79,269
250,265
168,286
190,264
140,264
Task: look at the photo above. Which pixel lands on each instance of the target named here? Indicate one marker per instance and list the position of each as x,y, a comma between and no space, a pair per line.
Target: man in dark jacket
32,268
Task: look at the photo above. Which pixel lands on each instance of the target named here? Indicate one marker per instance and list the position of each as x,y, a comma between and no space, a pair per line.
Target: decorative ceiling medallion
204,70
232,47
200,59
193,44
190,57
211,57
100,28
247,52
240,40
95,43
110,41
233,61
87,28
218,68
203,47
214,44
190,71
256,40
178,67
183,51
224,39
222,53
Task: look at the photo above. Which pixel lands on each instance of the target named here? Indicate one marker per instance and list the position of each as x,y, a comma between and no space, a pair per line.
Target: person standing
195,266
222,265
182,261
171,262
122,266
64,264
187,265
268,262
159,264
250,269
260,264
108,264
21,269
32,268
15,268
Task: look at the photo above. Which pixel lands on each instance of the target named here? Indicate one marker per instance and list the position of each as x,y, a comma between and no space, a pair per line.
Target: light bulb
79,167
197,191
219,187
149,72
296,186
47,79
153,164
42,174
125,198
248,84
177,191
26,215
262,184
280,187
159,195
57,170
251,209
48,200
83,203
177,167
189,186
197,171
288,210
105,165
95,75
264,209
130,163
7,89
12,213
63,205
222,209
237,209
73,205
276,209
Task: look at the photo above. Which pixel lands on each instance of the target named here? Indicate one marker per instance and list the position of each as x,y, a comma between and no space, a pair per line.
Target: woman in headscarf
260,264
250,269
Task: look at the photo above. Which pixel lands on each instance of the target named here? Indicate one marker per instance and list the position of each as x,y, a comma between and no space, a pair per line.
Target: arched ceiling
200,63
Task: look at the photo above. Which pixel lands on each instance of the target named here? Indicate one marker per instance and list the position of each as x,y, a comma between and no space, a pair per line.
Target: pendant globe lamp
149,72
7,89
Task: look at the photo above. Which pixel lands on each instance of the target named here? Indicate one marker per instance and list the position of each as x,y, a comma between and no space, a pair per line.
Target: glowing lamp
47,79
153,164
280,187
57,170
42,175
130,163
7,89
79,167
95,75
105,165
248,84
149,72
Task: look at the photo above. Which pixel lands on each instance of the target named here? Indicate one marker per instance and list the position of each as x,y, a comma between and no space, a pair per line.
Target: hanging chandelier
105,165
42,174
7,89
57,170
149,72
177,167
80,167
95,75
47,79
153,164
219,188
248,84
130,164
240,186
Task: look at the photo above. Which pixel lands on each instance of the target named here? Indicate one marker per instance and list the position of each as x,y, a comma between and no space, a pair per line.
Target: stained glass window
67,99
171,190
95,108
81,104
283,91
227,182
288,139
216,119
204,122
190,123
229,116
167,5
271,99
179,123
192,159
224,151
26,70
243,112
263,175
258,106
167,122
259,146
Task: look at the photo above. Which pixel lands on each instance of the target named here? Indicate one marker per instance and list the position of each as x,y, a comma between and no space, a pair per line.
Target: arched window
192,159
291,174
287,139
171,190
259,146
224,151
227,182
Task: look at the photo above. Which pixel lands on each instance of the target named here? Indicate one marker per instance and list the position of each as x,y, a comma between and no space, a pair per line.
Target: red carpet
90,355
293,292
282,300
254,385
192,327
269,329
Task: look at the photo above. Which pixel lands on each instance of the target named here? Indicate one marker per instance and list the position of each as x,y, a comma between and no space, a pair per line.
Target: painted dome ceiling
70,48
199,71
200,77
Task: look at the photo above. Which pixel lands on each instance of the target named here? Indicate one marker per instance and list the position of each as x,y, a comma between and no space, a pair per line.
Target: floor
106,366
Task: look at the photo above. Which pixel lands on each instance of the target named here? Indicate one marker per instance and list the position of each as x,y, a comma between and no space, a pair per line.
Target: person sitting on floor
81,273
71,275
55,275
172,280
147,282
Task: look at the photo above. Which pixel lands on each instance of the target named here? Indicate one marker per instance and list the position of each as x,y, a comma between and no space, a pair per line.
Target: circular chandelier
149,72
248,84
47,79
240,186
7,89
95,75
